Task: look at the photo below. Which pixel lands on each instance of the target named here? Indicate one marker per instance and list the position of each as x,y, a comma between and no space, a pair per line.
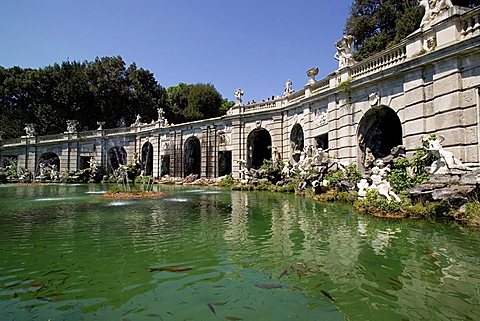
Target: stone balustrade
321,85
121,130
470,23
12,141
386,59
49,138
90,133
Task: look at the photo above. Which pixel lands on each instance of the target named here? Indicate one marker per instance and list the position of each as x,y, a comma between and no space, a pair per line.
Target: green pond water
67,254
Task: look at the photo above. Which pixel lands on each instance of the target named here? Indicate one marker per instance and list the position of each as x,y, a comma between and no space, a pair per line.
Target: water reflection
85,259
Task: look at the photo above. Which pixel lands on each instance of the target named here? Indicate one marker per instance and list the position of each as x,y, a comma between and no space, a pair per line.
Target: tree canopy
100,90
377,24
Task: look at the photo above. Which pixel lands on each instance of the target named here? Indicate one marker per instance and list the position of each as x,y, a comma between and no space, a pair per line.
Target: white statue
137,120
434,8
72,126
344,53
243,171
444,160
238,95
100,125
286,170
288,88
29,130
362,187
380,183
161,117
93,164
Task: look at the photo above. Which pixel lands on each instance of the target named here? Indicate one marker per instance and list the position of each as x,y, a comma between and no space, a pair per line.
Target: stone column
238,150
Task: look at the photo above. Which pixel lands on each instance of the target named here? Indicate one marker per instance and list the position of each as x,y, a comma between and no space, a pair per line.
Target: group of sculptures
314,162
161,119
48,172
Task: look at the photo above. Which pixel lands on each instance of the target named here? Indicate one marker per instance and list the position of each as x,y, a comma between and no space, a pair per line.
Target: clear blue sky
254,45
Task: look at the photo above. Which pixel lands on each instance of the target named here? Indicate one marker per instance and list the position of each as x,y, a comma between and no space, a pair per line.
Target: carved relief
321,116
374,99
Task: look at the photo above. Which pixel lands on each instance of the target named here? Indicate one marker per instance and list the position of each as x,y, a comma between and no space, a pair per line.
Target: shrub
227,181
375,204
471,213
350,174
133,170
408,173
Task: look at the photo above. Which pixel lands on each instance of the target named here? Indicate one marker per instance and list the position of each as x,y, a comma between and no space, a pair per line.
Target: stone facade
428,83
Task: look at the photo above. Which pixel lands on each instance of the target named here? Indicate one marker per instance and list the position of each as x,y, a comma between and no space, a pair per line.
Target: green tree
145,95
100,90
189,102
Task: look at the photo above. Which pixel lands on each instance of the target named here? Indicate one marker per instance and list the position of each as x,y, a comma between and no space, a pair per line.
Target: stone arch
297,142
48,159
259,147
379,130
192,156
117,156
147,159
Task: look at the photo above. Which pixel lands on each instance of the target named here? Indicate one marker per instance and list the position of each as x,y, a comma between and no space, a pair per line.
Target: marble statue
344,53
434,8
380,183
444,160
93,164
100,125
362,187
29,130
286,170
288,88
137,120
161,117
72,126
238,95
244,173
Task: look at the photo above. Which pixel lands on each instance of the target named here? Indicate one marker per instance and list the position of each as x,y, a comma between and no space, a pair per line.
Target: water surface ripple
200,254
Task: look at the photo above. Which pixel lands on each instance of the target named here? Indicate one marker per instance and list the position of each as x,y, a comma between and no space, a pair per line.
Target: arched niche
192,156
259,147
147,159
296,141
48,160
379,131
116,156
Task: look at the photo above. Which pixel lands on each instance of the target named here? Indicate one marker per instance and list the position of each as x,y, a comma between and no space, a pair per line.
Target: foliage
378,24
11,169
471,213
336,196
227,181
101,90
350,174
378,205
194,102
344,86
408,173
133,171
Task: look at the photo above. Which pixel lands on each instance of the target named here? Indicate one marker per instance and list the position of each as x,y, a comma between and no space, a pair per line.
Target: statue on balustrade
344,53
